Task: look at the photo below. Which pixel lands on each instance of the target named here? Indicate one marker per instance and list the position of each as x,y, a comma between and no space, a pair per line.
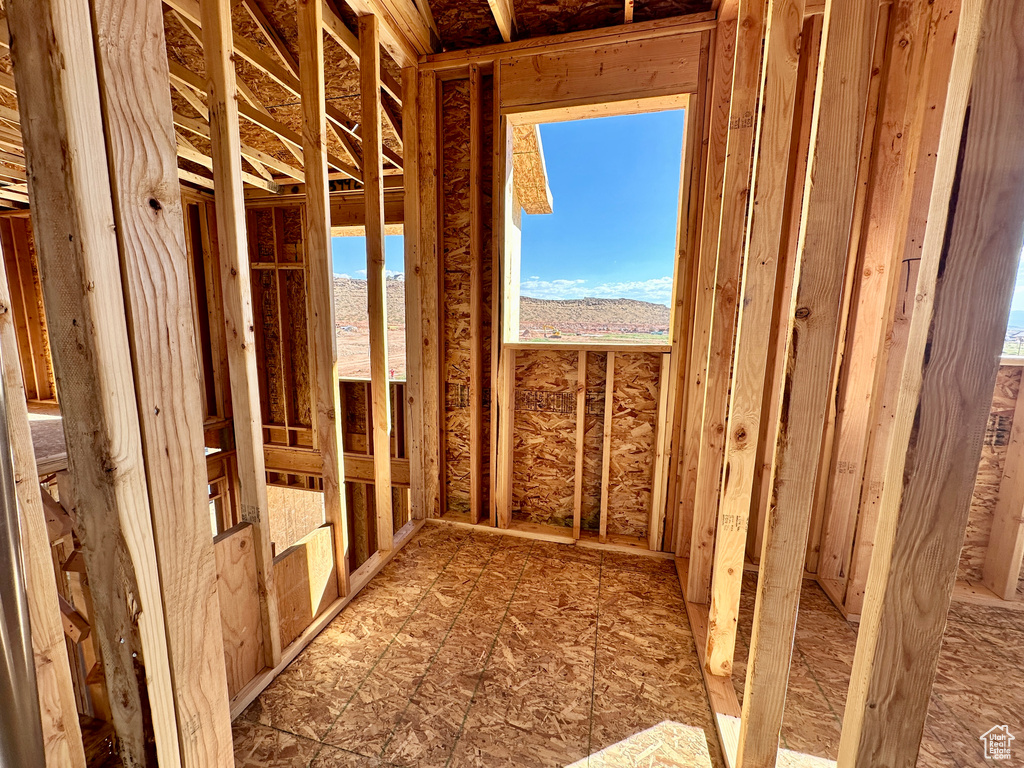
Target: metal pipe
21,731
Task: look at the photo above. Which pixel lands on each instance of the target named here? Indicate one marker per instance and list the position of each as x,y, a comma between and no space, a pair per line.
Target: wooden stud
659,478
154,262
429,310
62,737
581,431
761,246
73,220
322,338
734,204
373,188
897,140
609,404
812,319
405,31
967,271
701,530
1002,566
238,312
417,427
476,291
506,423
899,318
505,17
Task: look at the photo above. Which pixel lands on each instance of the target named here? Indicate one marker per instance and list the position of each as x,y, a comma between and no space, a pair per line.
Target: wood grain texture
238,310
969,258
731,234
307,582
811,320
762,244
154,264
700,530
603,74
326,396
373,189
55,68
898,135
241,626
543,441
1002,564
62,737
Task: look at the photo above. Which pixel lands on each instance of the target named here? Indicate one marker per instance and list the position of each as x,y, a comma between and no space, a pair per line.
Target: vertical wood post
812,321
55,71
476,295
972,246
376,287
323,342
238,314
62,737
142,158
606,464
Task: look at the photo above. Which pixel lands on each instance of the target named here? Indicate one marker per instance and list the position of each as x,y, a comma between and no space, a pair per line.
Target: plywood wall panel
635,403
239,606
455,329
990,473
593,441
544,437
306,581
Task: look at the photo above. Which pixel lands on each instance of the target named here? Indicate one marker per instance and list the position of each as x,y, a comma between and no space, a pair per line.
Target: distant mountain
572,313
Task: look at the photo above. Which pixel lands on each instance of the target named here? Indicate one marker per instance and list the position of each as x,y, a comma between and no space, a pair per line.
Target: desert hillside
621,319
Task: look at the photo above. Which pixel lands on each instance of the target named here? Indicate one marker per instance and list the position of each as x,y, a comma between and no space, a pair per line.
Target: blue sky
350,256
615,184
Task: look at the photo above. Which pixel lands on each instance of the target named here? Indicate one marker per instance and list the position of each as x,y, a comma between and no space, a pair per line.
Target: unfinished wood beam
627,15
238,312
581,431
349,43
891,186
62,737
323,342
73,221
505,17
376,285
812,320
702,530
476,295
606,464
405,32
944,31
969,259
761,248
425,281
506,426
730,541
154,262
191,153
185,77
1001,572
201,128
659,477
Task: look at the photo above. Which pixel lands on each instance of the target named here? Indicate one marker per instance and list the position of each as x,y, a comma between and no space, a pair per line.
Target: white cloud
390,273
534,277
657,290
343,275
361,272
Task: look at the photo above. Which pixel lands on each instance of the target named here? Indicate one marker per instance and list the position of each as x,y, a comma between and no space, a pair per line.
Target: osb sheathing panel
293,513
990,473
544,440
647,10
456,320
529,174
593,441
464,23
552,17
631,462
354,406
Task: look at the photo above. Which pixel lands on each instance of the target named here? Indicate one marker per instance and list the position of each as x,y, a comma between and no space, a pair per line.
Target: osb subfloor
978,684
476,649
